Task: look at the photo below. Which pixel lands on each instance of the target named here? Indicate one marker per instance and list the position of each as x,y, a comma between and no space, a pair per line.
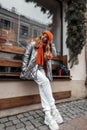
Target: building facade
21,91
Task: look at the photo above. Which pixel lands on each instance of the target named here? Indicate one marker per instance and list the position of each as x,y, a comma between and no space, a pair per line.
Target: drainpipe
18,28
86,62
86,50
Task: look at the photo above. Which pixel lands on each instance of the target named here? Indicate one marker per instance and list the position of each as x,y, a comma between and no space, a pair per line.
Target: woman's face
44,38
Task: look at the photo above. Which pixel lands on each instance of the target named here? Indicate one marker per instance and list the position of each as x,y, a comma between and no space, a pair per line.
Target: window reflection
5,24
21,22
24,30
11,56
4,69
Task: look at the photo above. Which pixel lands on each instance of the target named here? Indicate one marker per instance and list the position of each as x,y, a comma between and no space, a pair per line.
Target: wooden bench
16,63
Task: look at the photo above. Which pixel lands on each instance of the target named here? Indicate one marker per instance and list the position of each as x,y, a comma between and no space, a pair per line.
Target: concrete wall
22,88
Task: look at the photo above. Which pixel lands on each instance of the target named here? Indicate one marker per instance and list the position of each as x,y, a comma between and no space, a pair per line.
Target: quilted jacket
29,66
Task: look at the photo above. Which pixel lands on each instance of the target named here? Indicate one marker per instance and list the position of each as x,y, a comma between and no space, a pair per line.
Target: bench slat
11,49
12,75
10,63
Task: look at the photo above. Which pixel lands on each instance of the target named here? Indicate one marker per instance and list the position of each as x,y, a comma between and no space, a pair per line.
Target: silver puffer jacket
29,66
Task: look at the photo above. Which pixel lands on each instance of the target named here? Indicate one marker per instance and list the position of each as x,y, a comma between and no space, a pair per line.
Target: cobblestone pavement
74,114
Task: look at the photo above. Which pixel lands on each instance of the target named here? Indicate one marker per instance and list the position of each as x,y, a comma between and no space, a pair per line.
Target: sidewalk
75,124
74,114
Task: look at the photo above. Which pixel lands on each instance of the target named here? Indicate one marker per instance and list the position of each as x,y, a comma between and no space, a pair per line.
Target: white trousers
47,100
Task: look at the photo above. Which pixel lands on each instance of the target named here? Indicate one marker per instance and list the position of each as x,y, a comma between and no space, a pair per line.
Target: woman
37,66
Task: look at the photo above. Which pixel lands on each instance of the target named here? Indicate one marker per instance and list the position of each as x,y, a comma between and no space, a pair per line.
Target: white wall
65,50
11,89
78,72
17,88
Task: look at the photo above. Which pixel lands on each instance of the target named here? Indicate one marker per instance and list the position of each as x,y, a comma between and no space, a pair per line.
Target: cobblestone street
74,114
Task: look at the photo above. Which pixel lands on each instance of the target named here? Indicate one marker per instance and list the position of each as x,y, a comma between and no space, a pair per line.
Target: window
29,25
24,30
35,33
5,24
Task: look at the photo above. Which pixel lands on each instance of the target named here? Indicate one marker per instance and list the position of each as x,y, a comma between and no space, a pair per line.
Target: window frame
35,29
2,20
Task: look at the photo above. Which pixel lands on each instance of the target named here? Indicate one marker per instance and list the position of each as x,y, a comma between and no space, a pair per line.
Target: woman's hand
48,55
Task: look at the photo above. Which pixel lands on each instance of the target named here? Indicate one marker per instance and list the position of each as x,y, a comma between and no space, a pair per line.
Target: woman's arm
26,56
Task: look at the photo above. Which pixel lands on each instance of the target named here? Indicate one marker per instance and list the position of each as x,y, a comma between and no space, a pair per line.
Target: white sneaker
57,117
51,122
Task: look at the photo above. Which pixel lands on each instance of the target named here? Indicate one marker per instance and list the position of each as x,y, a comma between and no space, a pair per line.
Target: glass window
5,24
23,30
19,24
35,33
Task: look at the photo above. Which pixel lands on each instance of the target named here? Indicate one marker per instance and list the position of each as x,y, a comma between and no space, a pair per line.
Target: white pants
47,100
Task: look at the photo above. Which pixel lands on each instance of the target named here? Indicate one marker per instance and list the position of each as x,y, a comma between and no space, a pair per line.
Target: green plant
76,29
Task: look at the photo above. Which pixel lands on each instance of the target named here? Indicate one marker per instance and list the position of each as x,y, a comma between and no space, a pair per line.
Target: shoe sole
59,120
50,126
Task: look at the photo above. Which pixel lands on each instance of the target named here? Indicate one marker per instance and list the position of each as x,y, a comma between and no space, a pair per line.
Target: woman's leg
47,99
45,90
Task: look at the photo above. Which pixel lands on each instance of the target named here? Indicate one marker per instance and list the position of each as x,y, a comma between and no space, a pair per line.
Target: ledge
29,100
68,77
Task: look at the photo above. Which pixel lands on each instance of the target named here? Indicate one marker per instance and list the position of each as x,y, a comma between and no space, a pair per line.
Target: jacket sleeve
26,56
54,52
